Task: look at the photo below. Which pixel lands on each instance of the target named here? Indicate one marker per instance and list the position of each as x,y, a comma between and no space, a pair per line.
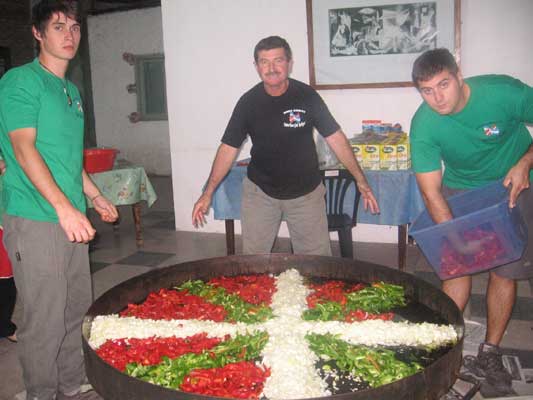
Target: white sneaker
20,396
86,387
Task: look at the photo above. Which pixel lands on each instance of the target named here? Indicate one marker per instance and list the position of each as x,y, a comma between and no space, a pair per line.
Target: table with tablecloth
126,184
396,192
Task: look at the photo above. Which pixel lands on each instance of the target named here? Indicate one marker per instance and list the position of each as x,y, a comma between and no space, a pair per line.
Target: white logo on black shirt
294,118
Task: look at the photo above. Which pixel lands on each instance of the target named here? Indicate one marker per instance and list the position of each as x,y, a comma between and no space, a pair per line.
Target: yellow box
372,152
357,149
404,153
371,157
357,143
388,158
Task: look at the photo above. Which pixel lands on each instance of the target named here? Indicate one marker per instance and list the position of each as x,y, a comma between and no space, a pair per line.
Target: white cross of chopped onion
287,354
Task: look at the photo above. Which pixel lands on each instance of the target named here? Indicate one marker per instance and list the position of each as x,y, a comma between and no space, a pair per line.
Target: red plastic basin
98,160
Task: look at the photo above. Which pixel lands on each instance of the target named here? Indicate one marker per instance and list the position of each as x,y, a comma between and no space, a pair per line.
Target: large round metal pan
431,383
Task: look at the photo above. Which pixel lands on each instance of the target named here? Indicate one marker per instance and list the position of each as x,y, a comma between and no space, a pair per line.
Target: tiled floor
115,258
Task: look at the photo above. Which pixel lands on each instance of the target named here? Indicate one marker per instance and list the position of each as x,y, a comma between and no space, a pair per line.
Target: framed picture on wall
373,43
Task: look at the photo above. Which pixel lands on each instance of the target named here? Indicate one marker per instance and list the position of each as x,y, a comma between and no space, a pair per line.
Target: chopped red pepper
241,380
453,263
331,291
254,289
360,315
172,304
150,351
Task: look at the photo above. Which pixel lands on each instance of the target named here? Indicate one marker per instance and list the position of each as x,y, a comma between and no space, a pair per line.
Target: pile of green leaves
378,298
375,366
238,310
170,373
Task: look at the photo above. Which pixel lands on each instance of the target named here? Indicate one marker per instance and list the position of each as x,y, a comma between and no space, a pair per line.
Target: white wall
110,35
208,48
496,36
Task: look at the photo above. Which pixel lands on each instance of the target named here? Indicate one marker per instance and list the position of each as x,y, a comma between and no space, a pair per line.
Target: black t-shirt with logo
284,161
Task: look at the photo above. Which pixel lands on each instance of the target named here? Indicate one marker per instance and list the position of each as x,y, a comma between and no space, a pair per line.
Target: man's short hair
273,42
432,62
46,9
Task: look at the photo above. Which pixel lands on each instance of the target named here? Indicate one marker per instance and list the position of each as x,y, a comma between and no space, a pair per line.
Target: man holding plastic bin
476,128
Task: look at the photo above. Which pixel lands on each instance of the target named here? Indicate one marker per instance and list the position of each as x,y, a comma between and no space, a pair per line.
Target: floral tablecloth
125,186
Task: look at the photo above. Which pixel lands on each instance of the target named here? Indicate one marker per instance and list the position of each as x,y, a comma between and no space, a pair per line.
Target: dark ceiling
19,9
105,6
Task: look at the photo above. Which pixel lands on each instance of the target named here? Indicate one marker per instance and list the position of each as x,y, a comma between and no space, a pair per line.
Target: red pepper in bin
454,263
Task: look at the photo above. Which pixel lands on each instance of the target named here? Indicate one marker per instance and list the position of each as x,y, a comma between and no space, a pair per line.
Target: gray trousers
261,216
53,280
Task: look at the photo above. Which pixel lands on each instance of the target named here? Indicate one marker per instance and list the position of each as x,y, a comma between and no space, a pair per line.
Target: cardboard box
371,153
357,143
375,151
388,154
403,153
371,125
357,149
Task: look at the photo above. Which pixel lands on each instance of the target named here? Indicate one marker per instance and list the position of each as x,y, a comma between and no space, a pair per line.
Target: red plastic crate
98,160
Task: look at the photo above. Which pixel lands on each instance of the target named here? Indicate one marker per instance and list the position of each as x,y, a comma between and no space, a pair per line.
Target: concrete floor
115,258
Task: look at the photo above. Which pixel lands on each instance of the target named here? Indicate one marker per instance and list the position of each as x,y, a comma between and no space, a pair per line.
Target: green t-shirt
31,97
480,143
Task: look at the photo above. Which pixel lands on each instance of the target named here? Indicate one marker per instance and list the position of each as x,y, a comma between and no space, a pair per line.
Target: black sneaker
488,364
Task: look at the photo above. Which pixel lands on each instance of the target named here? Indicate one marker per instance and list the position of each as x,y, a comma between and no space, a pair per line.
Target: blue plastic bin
482,212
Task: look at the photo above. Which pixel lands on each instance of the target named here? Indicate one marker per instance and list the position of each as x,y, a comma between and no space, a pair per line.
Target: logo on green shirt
492,130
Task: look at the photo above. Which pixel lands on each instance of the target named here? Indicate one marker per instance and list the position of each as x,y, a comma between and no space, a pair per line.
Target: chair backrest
337,183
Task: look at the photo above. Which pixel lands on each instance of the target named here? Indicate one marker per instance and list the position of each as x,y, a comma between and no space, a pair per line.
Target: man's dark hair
46,9
432,62
273,42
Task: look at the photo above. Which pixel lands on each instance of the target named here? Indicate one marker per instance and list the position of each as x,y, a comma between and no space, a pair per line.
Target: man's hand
108,212
200,209
2,167
221,165
342,149
518,179
75,224
518,176
369,201
468,248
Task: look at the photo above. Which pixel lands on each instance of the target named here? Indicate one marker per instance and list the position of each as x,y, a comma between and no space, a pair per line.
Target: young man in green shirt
46,229
476,128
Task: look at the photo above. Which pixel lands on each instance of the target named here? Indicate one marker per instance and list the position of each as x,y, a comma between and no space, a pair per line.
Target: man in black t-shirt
284,182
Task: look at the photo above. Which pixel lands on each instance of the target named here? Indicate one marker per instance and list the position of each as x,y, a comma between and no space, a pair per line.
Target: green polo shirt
31,97
480,143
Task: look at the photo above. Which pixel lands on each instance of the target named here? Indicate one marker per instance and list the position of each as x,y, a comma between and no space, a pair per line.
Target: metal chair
341,218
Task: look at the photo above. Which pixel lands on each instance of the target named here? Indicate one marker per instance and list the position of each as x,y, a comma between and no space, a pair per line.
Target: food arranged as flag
279,337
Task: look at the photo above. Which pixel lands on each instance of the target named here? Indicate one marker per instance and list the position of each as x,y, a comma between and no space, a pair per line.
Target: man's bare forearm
89,187
342,149
438,208
430,185
221,166
38,173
